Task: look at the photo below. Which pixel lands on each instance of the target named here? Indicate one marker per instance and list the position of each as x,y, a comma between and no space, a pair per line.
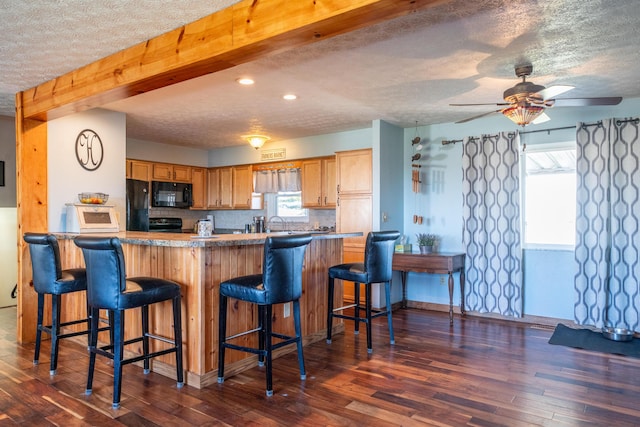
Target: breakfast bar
199,265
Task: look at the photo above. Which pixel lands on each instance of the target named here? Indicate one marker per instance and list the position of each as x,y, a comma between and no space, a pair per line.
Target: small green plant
425,239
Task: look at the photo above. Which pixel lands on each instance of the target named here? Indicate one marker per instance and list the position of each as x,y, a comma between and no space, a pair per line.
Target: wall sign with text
89,150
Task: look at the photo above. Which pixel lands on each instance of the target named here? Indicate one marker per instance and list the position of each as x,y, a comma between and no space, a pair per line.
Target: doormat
591,340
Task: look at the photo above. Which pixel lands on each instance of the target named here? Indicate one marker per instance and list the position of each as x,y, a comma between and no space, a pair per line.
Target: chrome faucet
282,221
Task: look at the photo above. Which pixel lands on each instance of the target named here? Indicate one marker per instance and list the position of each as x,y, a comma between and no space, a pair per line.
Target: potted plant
426,242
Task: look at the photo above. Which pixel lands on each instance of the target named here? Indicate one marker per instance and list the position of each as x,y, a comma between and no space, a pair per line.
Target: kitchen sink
300,232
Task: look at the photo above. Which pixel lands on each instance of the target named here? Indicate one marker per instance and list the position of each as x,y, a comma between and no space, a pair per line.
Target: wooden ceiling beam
241,33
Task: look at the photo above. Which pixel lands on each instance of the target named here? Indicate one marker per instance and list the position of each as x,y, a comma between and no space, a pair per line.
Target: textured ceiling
403,71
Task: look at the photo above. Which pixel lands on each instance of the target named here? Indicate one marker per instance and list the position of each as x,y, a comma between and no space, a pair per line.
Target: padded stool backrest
282,267
45,261
378,255
106,278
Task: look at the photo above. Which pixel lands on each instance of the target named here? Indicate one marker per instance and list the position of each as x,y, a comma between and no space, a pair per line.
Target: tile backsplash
236,219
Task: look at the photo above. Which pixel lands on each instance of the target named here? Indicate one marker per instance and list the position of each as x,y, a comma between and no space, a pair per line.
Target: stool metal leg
387,292
356,309
93,342
298,327
145,338
56,303
262,320
177,333
367,298
330,309
36,356
268,310
222,334
118,356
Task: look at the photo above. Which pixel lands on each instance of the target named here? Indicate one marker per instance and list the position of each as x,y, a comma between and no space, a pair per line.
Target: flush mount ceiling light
290,97
256,141
245,81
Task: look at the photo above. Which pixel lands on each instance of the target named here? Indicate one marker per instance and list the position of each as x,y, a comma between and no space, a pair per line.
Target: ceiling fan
526,101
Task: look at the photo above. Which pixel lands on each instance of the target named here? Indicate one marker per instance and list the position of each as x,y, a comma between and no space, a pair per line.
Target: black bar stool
377,268
50,279
280,282
109,289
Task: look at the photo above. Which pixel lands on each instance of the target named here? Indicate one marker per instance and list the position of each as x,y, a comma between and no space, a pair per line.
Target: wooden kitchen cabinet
199,188
137,169
172,173
242,187
354,210
219,190
354,172
319,183
229,187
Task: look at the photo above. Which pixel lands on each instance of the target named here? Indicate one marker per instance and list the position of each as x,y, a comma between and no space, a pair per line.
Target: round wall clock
89,150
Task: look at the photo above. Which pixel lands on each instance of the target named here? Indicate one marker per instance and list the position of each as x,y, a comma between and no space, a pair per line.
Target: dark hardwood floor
480,372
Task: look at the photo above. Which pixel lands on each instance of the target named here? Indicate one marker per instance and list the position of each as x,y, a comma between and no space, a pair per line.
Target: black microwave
171,194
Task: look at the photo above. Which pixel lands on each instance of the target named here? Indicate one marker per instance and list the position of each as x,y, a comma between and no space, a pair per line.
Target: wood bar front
199,266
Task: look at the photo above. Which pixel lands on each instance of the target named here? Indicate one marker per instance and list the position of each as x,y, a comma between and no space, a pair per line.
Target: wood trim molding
241,33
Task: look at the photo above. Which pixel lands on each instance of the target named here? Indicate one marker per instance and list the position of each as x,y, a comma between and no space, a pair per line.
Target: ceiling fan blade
553,91
478,116
541,119
498,104
587,102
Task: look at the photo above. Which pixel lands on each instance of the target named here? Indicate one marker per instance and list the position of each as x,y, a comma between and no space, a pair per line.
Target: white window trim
532,148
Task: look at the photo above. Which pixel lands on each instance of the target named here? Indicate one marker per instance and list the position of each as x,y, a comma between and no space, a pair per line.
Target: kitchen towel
592,340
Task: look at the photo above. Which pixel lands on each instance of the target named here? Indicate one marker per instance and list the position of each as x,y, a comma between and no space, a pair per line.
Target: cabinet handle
338,201
325,200
338,188
319,202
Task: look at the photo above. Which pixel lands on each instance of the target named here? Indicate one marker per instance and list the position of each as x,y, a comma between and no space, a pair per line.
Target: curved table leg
462,310
403,277
450,298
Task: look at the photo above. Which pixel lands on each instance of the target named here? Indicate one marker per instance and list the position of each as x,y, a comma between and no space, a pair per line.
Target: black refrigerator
137,205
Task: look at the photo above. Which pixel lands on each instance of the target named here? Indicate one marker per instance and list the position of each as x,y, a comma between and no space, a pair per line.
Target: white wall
8,156
8,255
301,148
8,213
66,178
157,152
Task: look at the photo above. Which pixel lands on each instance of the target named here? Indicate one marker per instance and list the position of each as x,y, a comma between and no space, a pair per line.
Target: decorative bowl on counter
93,198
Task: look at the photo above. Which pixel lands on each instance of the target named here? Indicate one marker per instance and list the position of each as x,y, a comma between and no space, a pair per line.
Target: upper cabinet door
311,183
162,172
199,190
354,172
137,169
242,187
329,182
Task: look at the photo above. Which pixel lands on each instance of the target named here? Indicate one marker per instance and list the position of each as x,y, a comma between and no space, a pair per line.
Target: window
550,196
286,205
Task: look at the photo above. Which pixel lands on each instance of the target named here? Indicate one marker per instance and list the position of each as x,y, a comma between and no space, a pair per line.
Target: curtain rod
635,120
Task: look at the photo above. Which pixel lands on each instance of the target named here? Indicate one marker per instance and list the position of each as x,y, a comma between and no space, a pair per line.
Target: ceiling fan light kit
526,101
522,115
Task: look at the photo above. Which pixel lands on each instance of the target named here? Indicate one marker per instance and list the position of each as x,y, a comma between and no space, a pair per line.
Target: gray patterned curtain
607,253
491,224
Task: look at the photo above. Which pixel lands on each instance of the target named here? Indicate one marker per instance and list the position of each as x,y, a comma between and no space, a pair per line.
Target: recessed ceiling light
245,81
290,96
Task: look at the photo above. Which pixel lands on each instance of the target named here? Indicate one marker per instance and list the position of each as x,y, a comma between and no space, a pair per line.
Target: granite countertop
193,241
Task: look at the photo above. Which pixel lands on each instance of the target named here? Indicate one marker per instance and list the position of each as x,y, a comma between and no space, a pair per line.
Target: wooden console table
434,263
